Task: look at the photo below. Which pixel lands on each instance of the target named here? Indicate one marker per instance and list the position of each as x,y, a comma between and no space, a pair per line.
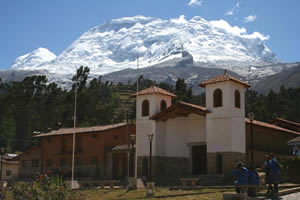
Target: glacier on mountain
115,45
33,60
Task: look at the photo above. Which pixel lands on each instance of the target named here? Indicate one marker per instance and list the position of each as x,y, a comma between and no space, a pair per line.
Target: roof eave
159,115
203,85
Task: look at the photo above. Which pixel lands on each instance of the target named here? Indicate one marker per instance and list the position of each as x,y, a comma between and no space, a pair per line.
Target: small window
35,163
63,144
78,143
163,105
63,162
94,160
78,161
49,140
94,136
116,137
218,98
48,163
8,173
237,99
145,108
145,167
219,164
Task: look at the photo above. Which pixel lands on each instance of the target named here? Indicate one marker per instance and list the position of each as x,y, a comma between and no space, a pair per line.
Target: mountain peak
33,59
115,45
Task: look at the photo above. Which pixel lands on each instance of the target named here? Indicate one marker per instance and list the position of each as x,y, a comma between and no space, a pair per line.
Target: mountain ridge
115,45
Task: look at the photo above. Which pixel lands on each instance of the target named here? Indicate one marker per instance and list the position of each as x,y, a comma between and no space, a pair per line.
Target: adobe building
29,162
99,152
191,140
9,167
286,124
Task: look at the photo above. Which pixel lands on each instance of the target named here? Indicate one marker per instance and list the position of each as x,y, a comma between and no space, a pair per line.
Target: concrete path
294,196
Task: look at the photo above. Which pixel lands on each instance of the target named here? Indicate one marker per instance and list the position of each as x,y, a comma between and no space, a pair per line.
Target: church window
145,108
163,105
218,98
237,99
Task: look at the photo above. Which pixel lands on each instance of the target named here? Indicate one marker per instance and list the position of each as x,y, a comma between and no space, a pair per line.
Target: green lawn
161,193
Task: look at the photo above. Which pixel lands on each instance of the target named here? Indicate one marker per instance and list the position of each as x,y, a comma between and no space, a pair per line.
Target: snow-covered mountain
115,45
34,60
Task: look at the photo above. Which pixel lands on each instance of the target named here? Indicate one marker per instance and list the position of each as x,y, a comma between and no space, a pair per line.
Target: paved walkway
294,196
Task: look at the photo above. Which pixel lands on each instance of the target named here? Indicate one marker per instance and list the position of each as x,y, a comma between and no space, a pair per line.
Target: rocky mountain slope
290,77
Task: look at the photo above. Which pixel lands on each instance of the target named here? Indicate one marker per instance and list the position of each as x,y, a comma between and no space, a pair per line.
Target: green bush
290,170
45,187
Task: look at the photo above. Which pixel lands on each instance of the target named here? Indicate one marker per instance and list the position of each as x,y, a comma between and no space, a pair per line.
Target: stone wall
217,179
229,162
165,170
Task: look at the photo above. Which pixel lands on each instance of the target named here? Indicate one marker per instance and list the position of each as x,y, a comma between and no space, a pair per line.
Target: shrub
290,170
46,186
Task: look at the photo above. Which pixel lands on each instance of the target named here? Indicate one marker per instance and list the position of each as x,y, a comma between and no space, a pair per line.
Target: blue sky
55,24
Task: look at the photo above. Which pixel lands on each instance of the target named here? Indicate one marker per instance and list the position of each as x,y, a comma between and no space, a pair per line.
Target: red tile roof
223,78
293,141
272,126
285,121
153,90
178,110
66,131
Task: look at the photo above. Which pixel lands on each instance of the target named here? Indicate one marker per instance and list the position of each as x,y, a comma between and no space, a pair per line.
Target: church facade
191,140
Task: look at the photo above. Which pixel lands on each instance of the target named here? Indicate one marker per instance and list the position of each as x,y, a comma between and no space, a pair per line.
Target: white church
191,140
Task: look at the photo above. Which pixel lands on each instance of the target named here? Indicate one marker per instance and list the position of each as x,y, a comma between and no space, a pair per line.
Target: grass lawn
161,193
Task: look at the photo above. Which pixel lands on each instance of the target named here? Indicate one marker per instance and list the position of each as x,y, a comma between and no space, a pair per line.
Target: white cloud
234,9
237,31
195,3
250,18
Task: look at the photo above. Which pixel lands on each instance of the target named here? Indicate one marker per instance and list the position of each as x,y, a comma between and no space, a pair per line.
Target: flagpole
137,74
137,93
74,134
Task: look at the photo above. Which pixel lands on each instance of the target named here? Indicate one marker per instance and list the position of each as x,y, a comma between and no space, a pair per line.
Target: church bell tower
226,135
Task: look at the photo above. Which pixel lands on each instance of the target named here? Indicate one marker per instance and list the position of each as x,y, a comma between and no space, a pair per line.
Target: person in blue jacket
253,180
241,176
274,167
267,169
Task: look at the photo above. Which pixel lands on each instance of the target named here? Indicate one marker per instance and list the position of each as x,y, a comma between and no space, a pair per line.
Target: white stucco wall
226,124
196,128
175,134
145,126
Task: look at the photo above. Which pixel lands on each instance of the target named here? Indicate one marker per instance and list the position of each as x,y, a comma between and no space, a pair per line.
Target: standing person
267,167
241,176
274,172
253,180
